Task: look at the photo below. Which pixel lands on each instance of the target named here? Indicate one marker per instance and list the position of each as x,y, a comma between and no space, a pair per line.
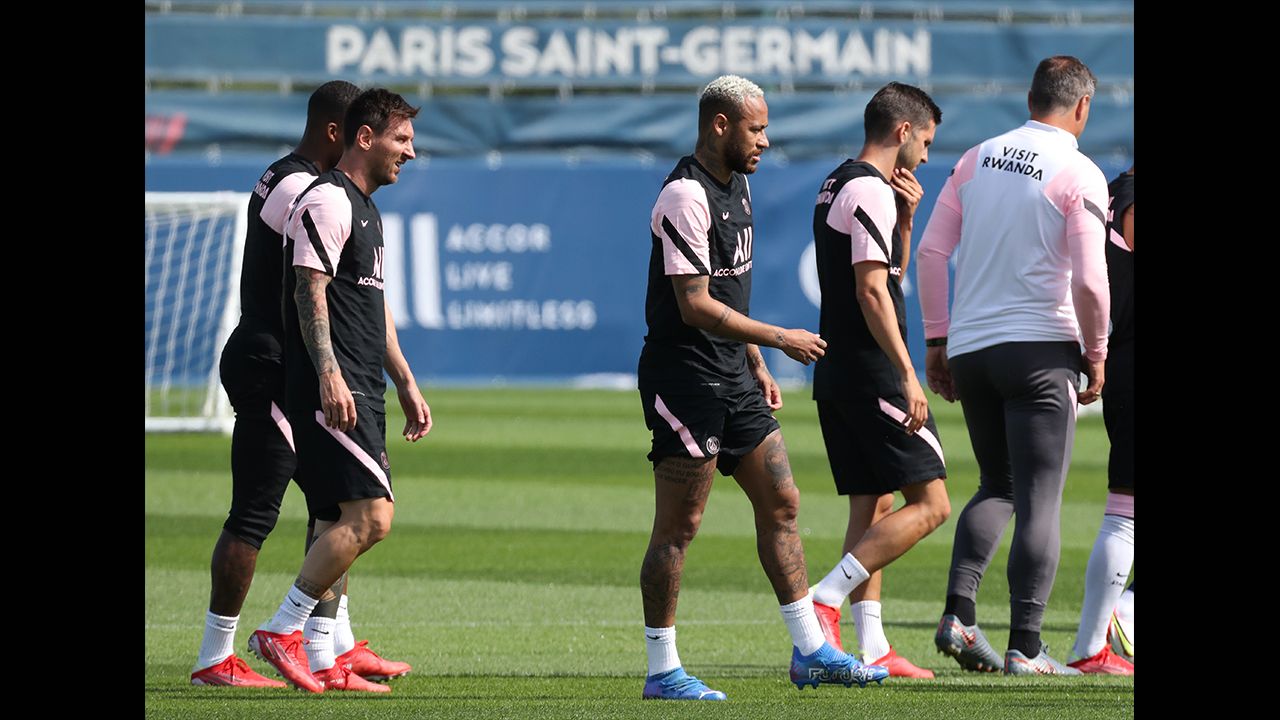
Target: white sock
1124,611
319,634
344,641
806,633
841,581
293,612
219,639
866,618
660,643
1104,581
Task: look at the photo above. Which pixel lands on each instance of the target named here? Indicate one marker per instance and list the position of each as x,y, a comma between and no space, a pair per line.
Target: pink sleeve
275,210
961,174
1080,193
864,210
941,237
320,226
681,219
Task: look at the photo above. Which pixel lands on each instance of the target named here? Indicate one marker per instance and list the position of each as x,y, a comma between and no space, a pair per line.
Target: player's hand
337,402
1096,372
769,388
417,414
917,404
938,372
801,345
907,192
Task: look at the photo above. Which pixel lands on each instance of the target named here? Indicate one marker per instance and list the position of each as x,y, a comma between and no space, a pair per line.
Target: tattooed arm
313,316
699,309
760,371
417,414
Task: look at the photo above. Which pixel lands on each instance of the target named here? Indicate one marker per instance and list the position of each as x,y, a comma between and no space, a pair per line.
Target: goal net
195,242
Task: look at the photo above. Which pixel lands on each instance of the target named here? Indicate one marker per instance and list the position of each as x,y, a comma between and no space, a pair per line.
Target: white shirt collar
1042,127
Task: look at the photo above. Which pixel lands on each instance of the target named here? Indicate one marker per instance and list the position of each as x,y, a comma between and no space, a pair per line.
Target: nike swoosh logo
323,632
653,637
226,627
846,572
295,604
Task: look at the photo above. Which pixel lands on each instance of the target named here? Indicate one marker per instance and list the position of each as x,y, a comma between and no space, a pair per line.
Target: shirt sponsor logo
376,279
262,189
741,256
743,251
826,196
733,271
1015,160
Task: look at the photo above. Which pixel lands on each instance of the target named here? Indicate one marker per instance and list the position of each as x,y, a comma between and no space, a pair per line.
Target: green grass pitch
511,577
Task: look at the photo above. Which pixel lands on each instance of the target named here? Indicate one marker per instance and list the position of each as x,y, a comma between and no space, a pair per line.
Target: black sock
963,608
1026,642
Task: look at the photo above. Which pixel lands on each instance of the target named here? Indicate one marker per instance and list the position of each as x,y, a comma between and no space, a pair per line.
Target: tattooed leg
682,485
765,476
328,605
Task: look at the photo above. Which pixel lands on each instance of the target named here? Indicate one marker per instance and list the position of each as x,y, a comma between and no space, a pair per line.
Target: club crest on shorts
386,465
713,445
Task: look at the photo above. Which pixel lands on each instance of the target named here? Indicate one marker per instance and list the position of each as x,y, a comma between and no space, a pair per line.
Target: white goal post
194,248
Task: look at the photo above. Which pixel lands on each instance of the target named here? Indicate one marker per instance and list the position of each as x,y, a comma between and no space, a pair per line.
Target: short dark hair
377,108
1059,83
895,103
330,101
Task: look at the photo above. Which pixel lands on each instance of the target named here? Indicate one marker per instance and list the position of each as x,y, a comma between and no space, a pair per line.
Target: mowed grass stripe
511,505
554,556
510,579
487,627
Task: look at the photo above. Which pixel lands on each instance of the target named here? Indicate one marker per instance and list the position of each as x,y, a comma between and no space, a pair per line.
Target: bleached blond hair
726,94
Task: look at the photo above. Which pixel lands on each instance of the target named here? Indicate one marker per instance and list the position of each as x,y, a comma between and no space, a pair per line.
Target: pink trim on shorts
1118,240
897,414
286,429
678,426
358,452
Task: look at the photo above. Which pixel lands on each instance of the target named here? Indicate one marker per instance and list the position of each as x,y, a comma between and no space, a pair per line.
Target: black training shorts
727,428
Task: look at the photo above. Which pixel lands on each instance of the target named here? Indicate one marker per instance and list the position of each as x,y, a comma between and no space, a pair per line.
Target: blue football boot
678,685
829,665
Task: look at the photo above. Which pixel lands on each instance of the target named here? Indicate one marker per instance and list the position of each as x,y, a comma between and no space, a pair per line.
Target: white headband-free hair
731,89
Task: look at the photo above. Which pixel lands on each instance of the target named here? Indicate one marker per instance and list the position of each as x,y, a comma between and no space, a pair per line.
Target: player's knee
379,525
376,533
252,525
370,522
938,510
786,506
681,531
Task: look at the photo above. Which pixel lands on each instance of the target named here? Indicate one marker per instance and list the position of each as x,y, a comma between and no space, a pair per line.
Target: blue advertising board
536,270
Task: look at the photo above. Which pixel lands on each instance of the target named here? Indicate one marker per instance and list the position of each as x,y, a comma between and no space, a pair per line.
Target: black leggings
1019,404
